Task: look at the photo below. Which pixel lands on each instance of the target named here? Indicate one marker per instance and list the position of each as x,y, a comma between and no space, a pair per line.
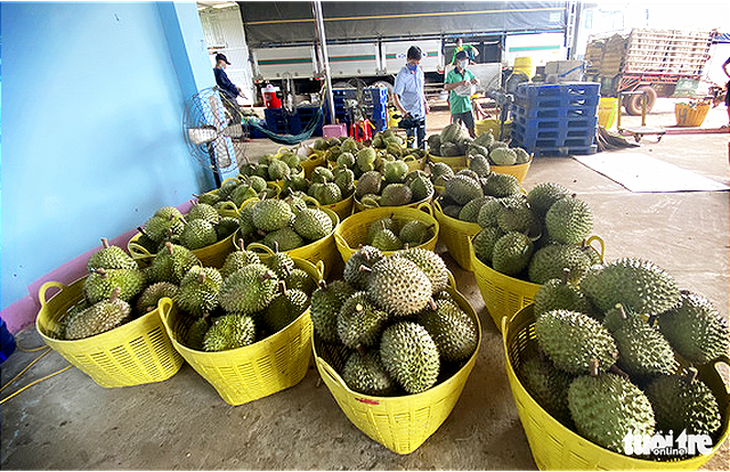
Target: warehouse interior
95,104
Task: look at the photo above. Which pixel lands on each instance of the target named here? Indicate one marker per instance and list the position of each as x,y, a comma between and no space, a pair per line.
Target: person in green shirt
471,51
458,84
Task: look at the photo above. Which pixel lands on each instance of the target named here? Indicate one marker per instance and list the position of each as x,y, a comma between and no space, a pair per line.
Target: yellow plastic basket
456,235
519,171
211,256
136,353
414,164
504,295
456,162
492,125
688,116
316,159
343,208
403,423
248,373
357,206
607,110
323,250
555,447
353,230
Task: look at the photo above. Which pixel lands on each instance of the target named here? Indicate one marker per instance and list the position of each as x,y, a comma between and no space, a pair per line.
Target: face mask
463,64
412,67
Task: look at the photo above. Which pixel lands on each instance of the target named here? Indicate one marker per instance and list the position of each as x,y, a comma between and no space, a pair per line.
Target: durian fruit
270,215
470,211
164,222
245,218
283,239
366,374
549,262
396,195
440,172
640,286
462,189
695,329
453,331
58,330
502,156
421,188
607,407
229,332
522,156
410,356
479,164
312,224
512,253
196,333
201,211
399,286
171,264
376,226
328,194
569,220
684,404
544,195
484,243
487,216
515,215
386,240
368,183
110,257
431,264
572,340
395,171
548,385
300,280
100,284
366,256
198,293
248,290
326,303
415,233
500,185
101,317
238,260
322,175
198,233
642,349
151,296
285,308
226,227
359,322
560,294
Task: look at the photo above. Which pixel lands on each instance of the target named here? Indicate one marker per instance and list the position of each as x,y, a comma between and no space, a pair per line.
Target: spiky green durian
453,331
549,262
270,215
101,317
201,211
283,239
312,224
367,256
410,356
415,233
110,257
569,220
151,295
229,332
360,322
248,290
100,284
684,404
470,211
399,286
484,243
560,294
198,293
238,260
284,308
326,303
512,253
366,374
280,263
548,385
171,264
196,333
462,189
197,234
431,264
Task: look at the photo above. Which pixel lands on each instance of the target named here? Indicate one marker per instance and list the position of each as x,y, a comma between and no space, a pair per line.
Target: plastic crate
550,139
568,89
578,111
567,151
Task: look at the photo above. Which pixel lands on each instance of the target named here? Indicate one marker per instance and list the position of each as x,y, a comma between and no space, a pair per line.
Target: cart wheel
659,137
638,137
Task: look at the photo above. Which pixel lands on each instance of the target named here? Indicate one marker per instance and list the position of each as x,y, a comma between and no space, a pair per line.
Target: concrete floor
68,422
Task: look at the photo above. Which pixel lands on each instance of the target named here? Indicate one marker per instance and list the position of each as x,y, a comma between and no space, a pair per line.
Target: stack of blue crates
380,108
306,114
556,119
280,122
340,95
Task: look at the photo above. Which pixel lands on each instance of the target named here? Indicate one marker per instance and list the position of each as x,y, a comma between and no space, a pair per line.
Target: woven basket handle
44,288
229,205
327,370
261,248
164,305
275,186
339,240
309,199
426,208
589,243
137,251
320,269
437,206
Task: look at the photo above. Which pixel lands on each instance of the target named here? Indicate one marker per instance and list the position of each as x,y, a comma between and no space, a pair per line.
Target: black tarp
268,23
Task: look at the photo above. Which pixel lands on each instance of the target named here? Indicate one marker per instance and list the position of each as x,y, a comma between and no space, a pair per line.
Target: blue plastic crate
557,112
566,151
552,140
534,96
540,124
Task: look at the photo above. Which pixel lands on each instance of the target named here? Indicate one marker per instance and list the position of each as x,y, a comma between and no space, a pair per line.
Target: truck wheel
632,103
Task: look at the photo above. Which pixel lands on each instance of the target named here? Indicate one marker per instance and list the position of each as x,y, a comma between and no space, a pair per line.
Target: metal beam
317,7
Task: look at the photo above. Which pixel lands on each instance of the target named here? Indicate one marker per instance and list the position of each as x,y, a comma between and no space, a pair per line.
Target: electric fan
213,130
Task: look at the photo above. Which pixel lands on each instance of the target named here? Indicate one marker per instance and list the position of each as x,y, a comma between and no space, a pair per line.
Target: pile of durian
237,191
394,187
324,185
454,141
391,234
605,363
202,226
401,329
531,237
275,167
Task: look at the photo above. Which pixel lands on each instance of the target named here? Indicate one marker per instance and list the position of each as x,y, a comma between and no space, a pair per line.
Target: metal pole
325,59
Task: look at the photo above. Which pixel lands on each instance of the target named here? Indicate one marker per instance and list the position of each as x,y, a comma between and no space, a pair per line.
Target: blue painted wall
92,112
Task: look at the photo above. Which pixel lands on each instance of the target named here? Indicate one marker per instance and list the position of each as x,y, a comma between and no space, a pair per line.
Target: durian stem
364,268
168,246
621,310
594,368
407,246
182,218
101,271
201,277
268,275
615,370
104,243
282,287
361,350
432,304
691,375
323,285
652,320
241,244
566,275
115,294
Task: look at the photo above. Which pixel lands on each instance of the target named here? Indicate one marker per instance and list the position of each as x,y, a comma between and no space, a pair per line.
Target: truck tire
632,103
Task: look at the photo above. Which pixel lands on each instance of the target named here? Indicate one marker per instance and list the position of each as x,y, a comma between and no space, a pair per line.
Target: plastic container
492,125
343,208
353,230
691,116
607,110
524,64
211,256
248,373
455,162
7,342
358,206
504,295
456,235
316,159
402,423
136,353
555,447
321,250
519,171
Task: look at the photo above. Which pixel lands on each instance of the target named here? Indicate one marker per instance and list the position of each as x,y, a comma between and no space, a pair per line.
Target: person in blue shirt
409,97
230,90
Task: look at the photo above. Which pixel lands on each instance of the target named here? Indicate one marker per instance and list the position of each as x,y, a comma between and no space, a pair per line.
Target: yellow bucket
455,162
321,250
353,230
607,110
555,447
688,116
136,353
414,164
316,159
211,256
343,208
504,295
248,373
492,125
524,64
519,171
358,207
456,235
403,423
